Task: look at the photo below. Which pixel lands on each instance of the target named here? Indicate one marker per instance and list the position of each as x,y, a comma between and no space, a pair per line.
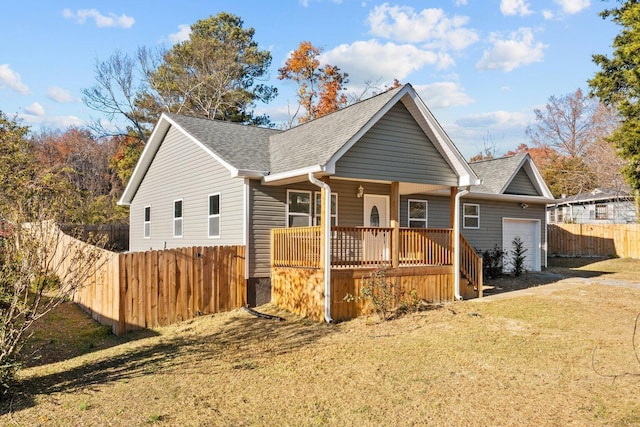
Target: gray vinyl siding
491,214
521,184
437,210
396,149
268,207
182,170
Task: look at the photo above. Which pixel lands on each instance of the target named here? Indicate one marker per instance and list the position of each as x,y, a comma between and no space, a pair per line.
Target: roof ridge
349,106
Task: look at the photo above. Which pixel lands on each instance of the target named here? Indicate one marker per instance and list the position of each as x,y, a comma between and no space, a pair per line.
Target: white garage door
529,232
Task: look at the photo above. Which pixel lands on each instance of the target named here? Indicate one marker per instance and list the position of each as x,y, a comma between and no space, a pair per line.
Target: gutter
326,233
456,244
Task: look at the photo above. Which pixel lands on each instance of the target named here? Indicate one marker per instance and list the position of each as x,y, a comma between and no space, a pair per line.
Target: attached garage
529,232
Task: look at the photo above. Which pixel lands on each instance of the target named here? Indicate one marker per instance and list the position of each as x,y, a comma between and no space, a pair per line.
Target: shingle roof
496,173
315,142
597,194
243,147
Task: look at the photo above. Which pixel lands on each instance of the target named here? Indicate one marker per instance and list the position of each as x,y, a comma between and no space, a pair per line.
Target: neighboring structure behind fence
136,290
621,240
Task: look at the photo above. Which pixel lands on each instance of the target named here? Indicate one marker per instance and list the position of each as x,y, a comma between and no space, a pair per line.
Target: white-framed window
177,218
318,208
147,222
417,213
602,212
298,208
471,215
214,215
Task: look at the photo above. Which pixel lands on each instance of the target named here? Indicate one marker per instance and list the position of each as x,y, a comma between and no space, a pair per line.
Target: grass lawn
565,358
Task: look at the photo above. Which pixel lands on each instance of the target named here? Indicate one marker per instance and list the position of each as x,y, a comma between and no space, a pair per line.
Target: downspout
456,244
326,233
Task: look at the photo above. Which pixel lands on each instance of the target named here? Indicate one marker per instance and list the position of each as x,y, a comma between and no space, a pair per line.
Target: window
602,212
318,208
552,215
471,213
417,213
214,215
298,208
177,218
147,222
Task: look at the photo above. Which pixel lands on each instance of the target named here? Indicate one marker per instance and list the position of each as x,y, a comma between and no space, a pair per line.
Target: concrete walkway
560,285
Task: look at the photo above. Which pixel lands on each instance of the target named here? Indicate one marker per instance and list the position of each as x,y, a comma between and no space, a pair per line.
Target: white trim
245,223
310,216
218,215
181,218
293,173
464,216
145,222
426,212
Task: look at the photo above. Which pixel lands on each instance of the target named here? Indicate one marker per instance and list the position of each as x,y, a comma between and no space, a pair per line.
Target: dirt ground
567,357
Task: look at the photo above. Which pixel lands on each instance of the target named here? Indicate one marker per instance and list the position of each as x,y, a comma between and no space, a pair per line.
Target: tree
31,280
617,85
571,132
82,161
571,124
214,74
121,81
319,87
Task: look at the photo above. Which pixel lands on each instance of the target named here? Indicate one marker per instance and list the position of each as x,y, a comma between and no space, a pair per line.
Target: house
319,205
599,206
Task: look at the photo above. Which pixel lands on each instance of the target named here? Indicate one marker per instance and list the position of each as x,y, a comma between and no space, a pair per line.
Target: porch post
394,211
452,206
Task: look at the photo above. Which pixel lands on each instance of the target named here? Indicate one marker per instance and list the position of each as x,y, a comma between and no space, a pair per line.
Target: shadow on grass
239,342
558,268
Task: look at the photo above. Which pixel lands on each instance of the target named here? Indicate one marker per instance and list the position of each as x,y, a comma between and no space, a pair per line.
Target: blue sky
481,66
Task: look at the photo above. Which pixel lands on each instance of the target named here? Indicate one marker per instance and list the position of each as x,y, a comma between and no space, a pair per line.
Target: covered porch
416,259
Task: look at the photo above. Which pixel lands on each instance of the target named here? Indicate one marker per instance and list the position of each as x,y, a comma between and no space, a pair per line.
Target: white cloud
500,119
573,6
508,54
443,95
547,14
370,60
55,122
112,20
430,26
515,7
59,94
461,2
181,35
11,80
34,109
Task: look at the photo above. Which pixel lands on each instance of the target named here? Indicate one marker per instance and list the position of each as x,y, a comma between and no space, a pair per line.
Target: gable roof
497,175
314,146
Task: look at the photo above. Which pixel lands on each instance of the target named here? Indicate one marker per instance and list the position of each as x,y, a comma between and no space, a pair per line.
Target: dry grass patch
512,362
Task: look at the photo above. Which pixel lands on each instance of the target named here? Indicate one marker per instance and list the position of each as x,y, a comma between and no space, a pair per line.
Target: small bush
492,260
386,297
518,256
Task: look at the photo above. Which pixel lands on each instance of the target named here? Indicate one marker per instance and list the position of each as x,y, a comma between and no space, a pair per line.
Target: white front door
376,243
376,211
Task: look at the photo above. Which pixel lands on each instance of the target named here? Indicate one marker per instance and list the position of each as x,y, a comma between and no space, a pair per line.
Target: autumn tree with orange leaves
319,87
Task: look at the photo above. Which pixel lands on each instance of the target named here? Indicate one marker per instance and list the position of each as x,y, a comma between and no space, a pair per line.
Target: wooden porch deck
423,262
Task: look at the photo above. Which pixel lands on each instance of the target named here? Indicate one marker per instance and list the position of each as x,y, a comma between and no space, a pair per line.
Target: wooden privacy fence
622,240
129,291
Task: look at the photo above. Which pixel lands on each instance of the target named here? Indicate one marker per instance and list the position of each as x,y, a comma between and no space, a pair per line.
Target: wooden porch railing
471,264
295,247
358,247
425,246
